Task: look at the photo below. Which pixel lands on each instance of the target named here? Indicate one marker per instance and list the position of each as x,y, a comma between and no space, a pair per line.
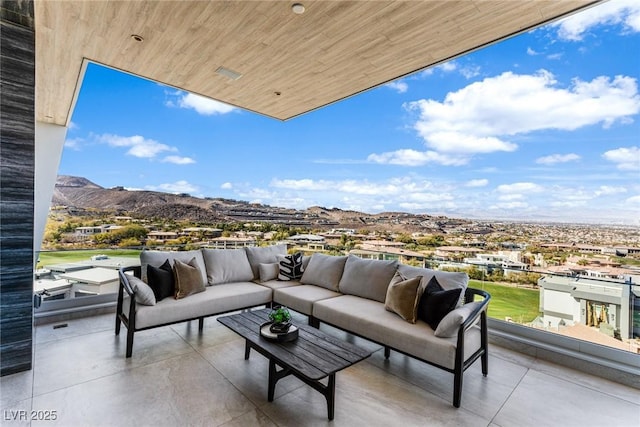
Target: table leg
247,349
330,394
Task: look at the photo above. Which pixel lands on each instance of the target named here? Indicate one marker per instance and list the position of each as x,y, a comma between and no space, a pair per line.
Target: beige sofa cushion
215,299
449,325
263,255
324,270
402,298
369,319
157,258
227,266
367,278
301,298
188,278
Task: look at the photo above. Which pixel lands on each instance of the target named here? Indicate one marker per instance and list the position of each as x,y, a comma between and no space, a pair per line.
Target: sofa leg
485,363
457,388
313,322
129,342
118,322
200,324
387,352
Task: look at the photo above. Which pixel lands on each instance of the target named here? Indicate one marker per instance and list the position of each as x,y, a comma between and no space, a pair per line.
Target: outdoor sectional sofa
372,299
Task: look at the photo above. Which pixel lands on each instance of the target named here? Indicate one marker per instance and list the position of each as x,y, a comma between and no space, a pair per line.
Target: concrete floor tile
15,388
75,327
66,362
544,400
255,418
16,413
184,390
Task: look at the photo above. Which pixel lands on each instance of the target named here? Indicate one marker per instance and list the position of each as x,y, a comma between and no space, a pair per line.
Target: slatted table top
314,354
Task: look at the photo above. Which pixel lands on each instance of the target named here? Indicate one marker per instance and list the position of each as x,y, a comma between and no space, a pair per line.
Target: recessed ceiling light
137,38
298,8
233,75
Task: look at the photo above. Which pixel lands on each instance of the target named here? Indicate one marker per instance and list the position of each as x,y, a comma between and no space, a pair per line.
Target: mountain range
81,197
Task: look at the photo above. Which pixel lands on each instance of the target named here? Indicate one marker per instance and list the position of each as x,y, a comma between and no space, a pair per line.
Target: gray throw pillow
449,325
402,298
367,278
324,270
268,271
144,294
227,266
263,255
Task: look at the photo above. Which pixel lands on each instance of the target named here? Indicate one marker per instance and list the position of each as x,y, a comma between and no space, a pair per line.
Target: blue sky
543,126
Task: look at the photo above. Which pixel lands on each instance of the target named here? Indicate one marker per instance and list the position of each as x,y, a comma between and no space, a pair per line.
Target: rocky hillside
79,196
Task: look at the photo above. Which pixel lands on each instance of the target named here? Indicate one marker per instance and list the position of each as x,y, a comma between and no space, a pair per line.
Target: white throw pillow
449,325
144,294
268,271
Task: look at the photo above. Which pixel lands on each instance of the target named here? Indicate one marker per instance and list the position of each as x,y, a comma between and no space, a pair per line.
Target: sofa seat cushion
369,319
214,300
301,298
277,284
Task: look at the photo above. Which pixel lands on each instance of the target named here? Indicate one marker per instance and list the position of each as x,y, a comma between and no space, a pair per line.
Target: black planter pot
280,328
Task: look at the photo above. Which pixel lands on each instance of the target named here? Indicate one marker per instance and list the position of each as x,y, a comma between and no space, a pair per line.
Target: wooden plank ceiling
290,63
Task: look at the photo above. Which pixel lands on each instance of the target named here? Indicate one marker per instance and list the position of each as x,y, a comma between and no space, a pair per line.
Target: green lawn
519,304
60,257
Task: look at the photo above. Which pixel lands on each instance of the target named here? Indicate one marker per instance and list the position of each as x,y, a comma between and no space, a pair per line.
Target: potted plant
281,319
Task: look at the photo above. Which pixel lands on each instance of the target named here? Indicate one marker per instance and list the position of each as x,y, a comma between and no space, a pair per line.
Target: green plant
280,315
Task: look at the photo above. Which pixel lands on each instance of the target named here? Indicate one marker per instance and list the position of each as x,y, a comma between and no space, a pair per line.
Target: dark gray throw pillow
437,302
161,280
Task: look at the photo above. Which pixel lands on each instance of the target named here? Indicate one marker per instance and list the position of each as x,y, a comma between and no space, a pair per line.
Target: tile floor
178,377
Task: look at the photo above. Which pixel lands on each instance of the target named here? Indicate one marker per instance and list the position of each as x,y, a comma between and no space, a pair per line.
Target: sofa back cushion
157,258
367,278
263,255
324,270
447,279
227,266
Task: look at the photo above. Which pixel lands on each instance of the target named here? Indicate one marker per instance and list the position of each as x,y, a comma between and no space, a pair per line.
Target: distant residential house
404,256
202,231
309,241
449,253
230,242
161,236
508,262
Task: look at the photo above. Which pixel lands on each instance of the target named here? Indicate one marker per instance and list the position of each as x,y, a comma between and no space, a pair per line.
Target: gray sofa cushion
301,298
268,271
367,278
263,255
227,266
157,258
446,279
369,319
215,299
324,270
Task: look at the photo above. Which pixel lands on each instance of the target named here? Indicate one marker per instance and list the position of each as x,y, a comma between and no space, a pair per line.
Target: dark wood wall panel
17,163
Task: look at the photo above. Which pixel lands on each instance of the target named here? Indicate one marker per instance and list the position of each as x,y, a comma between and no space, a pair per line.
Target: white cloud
557,158
227,186
408,157
202,105
606,190
532,52
470,72
614,12
447,66
634,200
483,116
138,145
625,158
178,160
398,86
177,187
73,143
555,56
519,187
474,183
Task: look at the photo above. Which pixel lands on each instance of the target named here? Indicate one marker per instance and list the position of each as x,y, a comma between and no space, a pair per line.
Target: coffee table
312,357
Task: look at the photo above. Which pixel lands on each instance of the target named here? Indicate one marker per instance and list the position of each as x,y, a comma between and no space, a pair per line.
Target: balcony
180,377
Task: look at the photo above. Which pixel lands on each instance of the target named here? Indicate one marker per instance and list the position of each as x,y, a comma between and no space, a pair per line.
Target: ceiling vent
233,75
